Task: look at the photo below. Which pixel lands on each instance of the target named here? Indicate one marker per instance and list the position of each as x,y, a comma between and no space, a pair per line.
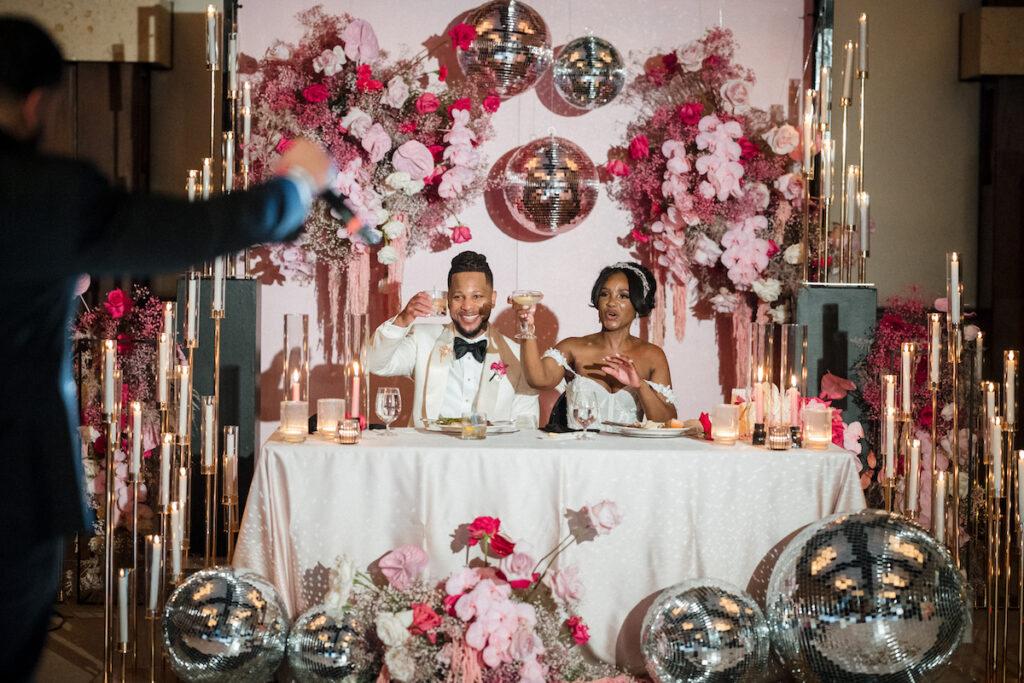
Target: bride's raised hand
621,368
524,314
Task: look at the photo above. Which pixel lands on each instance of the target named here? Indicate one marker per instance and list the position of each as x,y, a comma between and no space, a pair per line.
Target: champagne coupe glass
584,410
389,405
527,297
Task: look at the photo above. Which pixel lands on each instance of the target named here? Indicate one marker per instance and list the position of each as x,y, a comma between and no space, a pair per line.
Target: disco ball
866,597
321,645
225,625
550,185
588,72
512,46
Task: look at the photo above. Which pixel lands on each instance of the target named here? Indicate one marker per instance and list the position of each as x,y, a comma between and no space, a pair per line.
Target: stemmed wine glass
527,297
389,405
584,410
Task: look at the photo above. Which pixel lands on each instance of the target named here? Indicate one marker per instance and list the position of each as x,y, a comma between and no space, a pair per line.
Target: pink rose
604,517
518,567
639,148
691,55
491,103
427,102
461,233
462,36
360,41
414,158
735,95
566,584
617,168
315,93
783,140
790,185
690,113
579,630
442,74
377,142
397,93
424,619
330,61
403,564
117,304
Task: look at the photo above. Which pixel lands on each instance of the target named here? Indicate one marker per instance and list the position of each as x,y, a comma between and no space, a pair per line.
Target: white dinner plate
493,428
658,433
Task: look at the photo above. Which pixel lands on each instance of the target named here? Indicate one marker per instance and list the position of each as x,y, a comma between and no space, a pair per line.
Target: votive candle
913,475
123,576
996,447
939,507
907,383
863,47
136,439
935,348
154,551
165,470
109,365
848,73
1010,387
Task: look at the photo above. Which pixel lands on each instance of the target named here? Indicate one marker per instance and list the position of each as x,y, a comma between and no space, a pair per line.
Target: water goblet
527,298
388,406
584,410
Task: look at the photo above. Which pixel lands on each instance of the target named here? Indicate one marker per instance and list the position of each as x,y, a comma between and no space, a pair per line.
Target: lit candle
192,184
175,526
907,383
848,73
122,604
233,62
211,36
136,439
890,392
863,54
184,396
996,445
207,177
192,310
231,463
229,161
990,398
794,403
935,348
354,405
169,319
109,364
759,397
209,433
183,489
939,507
852,184
828,151
1010,388
218,284
247,95
890,443
154,546
246,129
913,474
954,287
823,93
165,470
864,214
979,356
808,141
297,387
163,365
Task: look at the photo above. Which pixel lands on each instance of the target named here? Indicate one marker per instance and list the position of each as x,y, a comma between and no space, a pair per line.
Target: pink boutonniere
499,369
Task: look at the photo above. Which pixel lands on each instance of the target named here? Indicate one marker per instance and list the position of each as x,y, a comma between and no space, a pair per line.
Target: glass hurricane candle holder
725,424
294,420
817,427
348,431
295,368
329,412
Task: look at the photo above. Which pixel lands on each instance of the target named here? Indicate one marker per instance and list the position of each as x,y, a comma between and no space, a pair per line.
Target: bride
629,376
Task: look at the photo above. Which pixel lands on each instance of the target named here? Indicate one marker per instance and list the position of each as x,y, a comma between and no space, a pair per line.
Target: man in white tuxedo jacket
459,367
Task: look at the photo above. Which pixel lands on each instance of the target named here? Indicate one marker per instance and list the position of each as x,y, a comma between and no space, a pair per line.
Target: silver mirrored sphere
322,645
512,46
704,630
550,185
866,596
225,625
588,72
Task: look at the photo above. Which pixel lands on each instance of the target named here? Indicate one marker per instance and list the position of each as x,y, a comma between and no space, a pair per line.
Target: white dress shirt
463,383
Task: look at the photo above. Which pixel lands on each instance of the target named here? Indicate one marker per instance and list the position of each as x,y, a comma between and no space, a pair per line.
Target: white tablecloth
690,509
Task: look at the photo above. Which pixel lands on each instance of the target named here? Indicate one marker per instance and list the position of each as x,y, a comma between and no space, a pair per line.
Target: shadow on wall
497,209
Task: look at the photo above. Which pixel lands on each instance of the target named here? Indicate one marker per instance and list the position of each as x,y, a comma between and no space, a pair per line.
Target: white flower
724,301
707,251
343,575
793,254
401,181
947,412
330,62
387,255
397,93
393,229
779,314
783,140
393,628
767,289
356,122
401,665
691,56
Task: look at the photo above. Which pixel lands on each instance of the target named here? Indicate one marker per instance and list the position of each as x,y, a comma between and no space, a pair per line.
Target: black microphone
343,212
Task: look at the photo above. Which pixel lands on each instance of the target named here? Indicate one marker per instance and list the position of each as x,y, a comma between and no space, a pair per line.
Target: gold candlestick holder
890,488
822,275
844,103
113,438
806,239
953,347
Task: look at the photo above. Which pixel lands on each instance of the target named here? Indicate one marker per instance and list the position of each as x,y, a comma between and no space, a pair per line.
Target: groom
460,367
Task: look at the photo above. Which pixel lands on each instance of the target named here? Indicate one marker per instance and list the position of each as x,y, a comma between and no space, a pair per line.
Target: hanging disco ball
588,72
865,597
550,185
512,46
224,625
704,630
322,645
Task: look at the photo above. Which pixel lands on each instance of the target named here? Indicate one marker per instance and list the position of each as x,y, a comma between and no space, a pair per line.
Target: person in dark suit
60,218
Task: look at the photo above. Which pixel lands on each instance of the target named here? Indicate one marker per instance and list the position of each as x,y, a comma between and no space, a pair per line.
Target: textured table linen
690,509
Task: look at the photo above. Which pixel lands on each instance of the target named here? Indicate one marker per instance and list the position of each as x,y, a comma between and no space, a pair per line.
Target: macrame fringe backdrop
658,314
464,667
763,310
357,292
741,340
332,334
679,309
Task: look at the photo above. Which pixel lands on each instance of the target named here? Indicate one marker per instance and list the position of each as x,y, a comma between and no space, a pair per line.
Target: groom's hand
419,306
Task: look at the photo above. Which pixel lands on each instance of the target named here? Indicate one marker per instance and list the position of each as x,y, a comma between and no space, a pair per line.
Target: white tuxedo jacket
425,352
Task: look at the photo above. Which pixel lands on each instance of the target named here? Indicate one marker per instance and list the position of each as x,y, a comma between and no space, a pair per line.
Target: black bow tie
477,349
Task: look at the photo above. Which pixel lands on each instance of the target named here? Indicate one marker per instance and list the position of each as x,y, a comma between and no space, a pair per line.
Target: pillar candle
954,287
211,35
794,403
192,184
913,474
907,381
183,488
218,284
935,348
122,604
109,366
246,129
175,527
808,138
229,161
165,470
890,443
169,319
155,548
163,365
759,397
1010,388
863,47
209,432
852,185
979,356
192,309
996,446
939,507
184,396
296,387
231,462
136,438
828,151
233,62
848,73
355,404
207,177
863,220
1020,489
247,95
824,96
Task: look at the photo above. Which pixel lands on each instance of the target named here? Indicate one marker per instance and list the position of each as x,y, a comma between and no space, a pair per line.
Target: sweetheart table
689,509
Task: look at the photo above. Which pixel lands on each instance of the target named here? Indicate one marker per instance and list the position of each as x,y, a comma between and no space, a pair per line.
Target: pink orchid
454,181
852,437
403,564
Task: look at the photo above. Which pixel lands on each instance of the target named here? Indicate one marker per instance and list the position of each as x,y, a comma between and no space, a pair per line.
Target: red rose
926,416
690,113
117,304
501,546
407,127
463,103
639,147
364,72
705,422
748,150
711,62
669,61
461,233
437,151
427,102
491,103
315,93
442,74
462,36
424,619
773,248
639,236
100,444
483,526
579,630
617,168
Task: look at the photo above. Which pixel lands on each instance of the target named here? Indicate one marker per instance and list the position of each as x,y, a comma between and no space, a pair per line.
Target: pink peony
403,564
118,304
427,102
491,103
639,148
604,517
462,36
360,41
377,142
566,584
617,168
690,113
414,158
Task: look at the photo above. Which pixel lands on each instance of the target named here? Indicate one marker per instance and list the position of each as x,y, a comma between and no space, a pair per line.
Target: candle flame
891,412
295,376
792,381
1009,356
863,17
849,46
108,344
954,257
917,443
355,366
168,437
210,10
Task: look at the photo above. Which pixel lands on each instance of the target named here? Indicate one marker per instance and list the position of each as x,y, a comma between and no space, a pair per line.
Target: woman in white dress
628,376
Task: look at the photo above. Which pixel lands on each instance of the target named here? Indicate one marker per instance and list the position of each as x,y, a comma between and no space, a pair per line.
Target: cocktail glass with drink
527,298
439,301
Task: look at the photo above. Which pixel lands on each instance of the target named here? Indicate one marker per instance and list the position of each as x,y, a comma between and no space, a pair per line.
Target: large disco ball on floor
588,72
322,645
865,597
550,185
512,46
704,630
224,625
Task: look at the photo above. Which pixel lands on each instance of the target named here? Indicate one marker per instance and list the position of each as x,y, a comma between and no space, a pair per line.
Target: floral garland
513,620
712,185
404,141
